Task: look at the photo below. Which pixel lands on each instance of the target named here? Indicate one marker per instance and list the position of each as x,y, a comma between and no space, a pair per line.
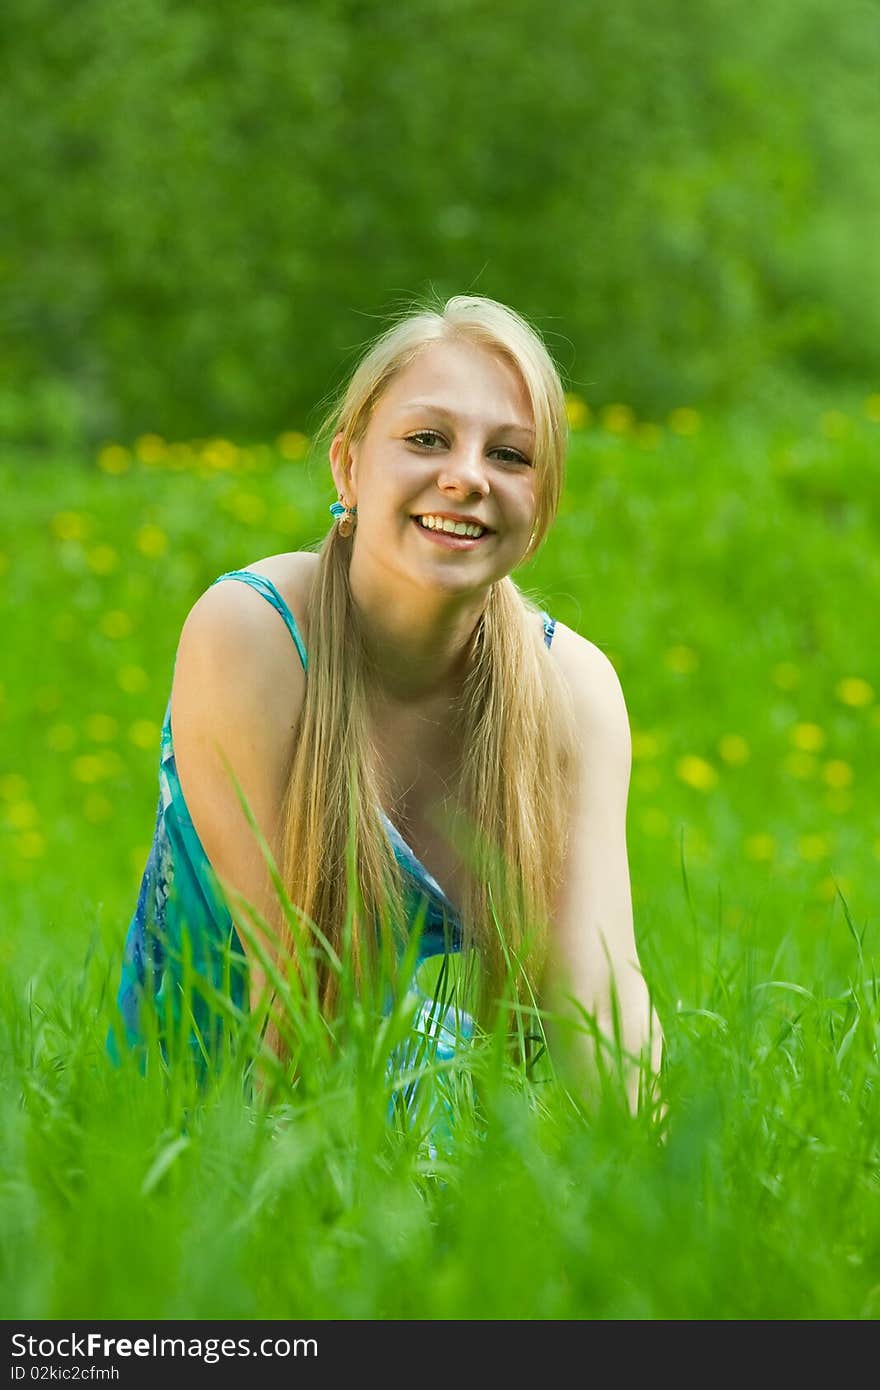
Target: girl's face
453,434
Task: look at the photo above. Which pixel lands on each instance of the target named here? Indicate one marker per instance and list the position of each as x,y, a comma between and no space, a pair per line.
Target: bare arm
238,692
593,956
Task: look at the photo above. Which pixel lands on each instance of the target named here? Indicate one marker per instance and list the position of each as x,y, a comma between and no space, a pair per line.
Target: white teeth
452,528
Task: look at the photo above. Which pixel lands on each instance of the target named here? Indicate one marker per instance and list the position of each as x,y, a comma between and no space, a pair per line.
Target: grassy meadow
730,568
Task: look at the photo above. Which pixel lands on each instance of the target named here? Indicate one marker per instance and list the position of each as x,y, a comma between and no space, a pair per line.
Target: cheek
529,502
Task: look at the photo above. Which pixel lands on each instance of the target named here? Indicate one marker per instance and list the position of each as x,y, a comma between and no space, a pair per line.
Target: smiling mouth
449,540
478,527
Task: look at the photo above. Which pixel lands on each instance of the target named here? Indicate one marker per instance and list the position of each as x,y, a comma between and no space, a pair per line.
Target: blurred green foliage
209,209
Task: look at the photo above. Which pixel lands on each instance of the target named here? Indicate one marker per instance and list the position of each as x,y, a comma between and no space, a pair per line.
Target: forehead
463,378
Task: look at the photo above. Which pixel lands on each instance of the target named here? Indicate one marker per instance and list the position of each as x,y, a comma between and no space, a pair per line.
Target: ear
344,475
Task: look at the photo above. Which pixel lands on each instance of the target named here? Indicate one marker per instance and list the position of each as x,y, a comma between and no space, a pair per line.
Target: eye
422,434
513,456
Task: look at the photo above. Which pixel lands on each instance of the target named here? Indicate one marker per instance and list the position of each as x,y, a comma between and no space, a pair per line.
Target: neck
419,655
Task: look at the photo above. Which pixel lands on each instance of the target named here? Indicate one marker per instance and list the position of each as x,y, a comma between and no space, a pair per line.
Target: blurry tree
209,208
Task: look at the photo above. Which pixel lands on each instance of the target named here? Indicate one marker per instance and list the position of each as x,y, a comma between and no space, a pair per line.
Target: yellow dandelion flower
293,445
834,424
827,888
220,454
30,845
808,737
61,737
837,773
854,691
132,679
102,727
802,765
577,411
786,675
144,733
696,772
644,745
617,418
654,822
685,420
13,786
681,659
114,459
648,435
22,815
88,767
47,699
761,847
872,407
97,808
150,449
102,559
71,526
151,541
813,847
115,624
646,777
733,749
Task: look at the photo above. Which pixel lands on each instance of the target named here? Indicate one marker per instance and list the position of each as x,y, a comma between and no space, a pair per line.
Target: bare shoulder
244,615
596,691
581,659
293,573
237,695
236,651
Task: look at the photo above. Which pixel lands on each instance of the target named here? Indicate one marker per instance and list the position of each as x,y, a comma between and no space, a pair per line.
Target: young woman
397,697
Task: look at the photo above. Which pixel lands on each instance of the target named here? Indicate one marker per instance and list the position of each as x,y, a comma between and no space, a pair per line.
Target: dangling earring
347,516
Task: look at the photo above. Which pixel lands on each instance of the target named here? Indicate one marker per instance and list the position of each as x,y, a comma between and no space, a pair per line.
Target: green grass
731,574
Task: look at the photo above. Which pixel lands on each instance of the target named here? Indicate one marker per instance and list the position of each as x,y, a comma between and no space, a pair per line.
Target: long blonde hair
513,719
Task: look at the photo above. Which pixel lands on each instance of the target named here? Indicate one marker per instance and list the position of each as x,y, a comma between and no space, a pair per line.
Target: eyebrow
451,415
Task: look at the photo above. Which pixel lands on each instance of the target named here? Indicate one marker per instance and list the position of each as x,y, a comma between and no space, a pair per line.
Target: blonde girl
395,701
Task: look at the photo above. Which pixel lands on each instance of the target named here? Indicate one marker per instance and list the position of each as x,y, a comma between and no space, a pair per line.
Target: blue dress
182,931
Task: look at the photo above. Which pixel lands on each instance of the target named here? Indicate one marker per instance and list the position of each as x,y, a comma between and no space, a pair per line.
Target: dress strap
549,627
265,587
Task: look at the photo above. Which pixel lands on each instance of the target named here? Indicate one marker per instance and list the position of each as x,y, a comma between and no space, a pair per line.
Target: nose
463,471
